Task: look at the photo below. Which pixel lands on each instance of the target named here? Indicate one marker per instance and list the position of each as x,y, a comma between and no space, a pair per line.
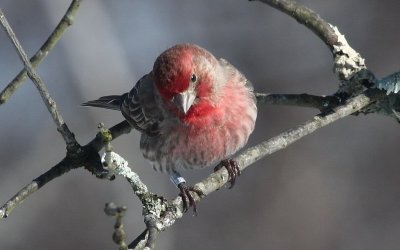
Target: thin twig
87,156
32,187
49,102
66,21
121,128
119,234
322,103
84,156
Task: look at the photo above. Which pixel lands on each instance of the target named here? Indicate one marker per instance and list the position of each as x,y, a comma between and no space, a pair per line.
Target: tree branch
84,156
322,103
153,205
307,17
119,129
32,187
89,151
347,62
158,213
48,101
66,21
119,234
218,179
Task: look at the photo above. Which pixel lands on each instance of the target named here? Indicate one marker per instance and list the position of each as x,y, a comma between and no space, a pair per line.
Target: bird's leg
232,168
185,190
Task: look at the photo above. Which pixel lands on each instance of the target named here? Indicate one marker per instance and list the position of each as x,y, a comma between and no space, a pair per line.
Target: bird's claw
232,168
187,196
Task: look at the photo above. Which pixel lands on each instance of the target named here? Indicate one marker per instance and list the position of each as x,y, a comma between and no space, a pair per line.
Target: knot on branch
153,204
90,159
104,133
360,81
347,64
347,60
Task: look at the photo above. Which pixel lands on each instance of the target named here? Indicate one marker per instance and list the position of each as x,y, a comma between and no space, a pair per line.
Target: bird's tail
108,102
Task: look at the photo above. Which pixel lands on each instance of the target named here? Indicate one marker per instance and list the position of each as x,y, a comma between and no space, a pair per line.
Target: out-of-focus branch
118,212
66,21
48,101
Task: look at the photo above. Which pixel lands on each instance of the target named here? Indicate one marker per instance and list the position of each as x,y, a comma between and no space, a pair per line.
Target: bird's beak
184,100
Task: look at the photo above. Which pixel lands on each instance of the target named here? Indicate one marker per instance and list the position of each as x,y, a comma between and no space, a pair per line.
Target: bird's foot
232,168
187,197
185,191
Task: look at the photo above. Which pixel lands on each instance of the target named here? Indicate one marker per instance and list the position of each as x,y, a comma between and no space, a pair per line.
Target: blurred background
338,188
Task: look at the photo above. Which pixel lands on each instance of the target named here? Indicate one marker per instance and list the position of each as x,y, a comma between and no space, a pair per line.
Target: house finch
192,110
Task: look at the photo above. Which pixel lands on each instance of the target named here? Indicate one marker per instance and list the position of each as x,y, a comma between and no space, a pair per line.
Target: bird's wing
140,107
107,102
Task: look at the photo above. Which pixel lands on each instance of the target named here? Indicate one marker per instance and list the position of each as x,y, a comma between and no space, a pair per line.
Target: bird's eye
193,78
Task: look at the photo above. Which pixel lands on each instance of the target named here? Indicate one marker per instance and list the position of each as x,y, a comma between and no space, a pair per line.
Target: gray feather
108,102
139,106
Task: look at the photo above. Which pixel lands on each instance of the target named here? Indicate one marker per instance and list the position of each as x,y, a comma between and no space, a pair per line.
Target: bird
192,110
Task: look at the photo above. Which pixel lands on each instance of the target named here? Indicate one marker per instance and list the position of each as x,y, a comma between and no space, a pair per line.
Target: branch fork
359,92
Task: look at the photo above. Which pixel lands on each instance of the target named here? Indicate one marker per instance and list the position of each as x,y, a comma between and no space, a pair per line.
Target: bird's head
185,77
